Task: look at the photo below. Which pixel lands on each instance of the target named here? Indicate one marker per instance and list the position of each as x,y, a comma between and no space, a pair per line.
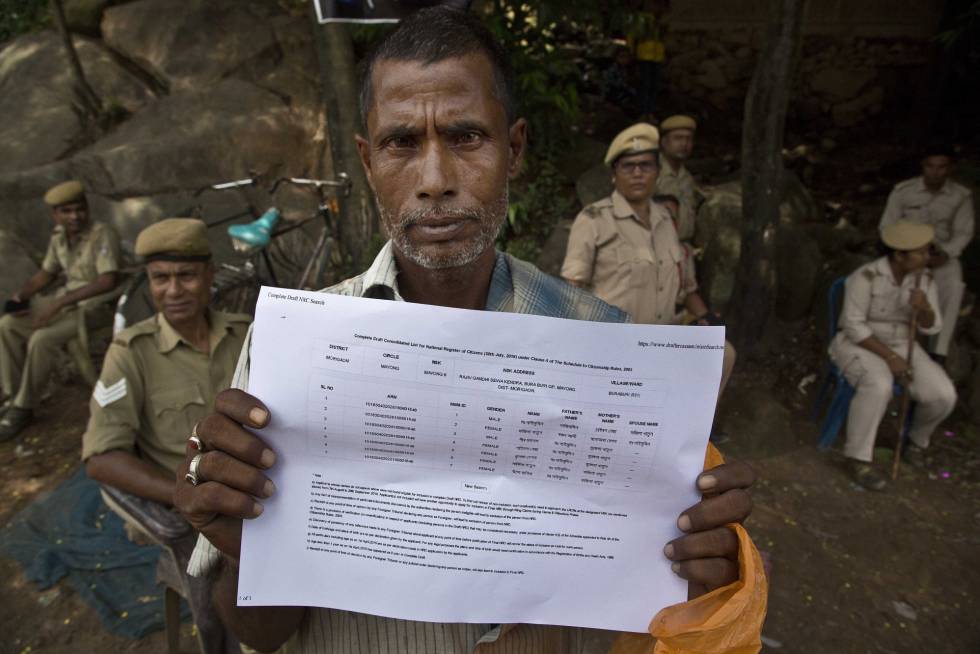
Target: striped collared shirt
515,287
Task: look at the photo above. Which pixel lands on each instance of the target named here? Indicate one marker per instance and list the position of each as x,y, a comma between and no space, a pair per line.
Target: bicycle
267,254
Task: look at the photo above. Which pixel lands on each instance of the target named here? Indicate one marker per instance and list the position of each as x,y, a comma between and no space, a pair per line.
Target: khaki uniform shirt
95,252
681,185
950,211
637,269
155,386
876,305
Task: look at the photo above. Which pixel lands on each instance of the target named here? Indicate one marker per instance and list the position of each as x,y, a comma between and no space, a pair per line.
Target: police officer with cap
676,145
934,199
33,329
160,376
872,342
625,249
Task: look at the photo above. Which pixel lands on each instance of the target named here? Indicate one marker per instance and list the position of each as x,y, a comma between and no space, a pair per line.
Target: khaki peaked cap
636,139
905,235
174,239
680,121
63,193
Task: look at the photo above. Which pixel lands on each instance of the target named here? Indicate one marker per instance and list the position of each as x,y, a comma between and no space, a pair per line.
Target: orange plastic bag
727,620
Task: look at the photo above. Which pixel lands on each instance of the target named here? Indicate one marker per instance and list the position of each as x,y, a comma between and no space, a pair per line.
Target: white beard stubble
491,219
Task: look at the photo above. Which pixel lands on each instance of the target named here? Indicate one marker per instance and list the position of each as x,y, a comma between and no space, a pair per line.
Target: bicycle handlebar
224,186
343,182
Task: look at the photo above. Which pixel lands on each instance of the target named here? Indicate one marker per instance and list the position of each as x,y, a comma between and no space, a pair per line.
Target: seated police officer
161,375
34,329
872,345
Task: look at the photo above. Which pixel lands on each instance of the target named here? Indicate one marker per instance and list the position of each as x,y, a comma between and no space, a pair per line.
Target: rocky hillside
208,90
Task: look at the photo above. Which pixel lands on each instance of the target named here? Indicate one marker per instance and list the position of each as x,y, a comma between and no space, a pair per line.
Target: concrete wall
858,18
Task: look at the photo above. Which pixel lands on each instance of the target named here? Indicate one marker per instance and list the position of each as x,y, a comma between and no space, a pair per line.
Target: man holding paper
442,141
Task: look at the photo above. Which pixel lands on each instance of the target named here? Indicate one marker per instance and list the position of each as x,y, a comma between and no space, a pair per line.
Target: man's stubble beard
490,218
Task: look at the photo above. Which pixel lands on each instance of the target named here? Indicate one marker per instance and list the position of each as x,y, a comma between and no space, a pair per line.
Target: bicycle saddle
256,234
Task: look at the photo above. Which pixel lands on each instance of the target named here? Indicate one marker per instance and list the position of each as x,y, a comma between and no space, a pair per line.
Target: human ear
364,153
517,146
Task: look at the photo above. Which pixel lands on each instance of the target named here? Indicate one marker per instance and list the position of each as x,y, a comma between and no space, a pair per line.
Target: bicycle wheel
237,299
236,288
292,252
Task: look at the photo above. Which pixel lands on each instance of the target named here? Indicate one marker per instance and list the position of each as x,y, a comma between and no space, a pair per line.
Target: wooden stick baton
906,395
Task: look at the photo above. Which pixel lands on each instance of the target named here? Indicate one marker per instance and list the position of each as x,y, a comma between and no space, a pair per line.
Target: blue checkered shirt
516,287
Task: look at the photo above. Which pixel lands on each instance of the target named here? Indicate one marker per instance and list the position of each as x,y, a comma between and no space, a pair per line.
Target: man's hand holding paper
599,436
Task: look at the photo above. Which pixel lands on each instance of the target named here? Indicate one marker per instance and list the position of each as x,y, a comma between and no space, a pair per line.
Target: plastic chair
843,391
79,348
177,539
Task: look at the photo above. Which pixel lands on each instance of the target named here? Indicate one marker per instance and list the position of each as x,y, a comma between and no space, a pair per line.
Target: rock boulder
38,122
188,140
841,83
192,43
594,184
17,265
797,256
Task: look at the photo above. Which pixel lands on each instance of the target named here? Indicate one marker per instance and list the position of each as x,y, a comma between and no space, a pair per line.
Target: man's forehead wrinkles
416,116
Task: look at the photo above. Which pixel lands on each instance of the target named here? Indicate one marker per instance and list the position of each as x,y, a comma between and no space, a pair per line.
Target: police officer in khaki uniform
676,145
934,199
624,248
88,255
161,375
871,347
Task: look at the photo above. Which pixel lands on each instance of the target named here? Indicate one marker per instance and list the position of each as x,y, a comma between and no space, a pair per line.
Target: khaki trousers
931,390
28,356
950,287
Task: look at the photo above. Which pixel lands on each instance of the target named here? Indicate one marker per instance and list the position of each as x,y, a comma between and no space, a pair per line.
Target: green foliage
545,41
962,40
21,16
533,211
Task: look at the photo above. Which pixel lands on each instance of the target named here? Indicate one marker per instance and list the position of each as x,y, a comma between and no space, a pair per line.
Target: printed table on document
370,403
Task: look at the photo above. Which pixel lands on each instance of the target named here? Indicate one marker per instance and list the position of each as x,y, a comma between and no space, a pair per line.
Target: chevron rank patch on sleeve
105,395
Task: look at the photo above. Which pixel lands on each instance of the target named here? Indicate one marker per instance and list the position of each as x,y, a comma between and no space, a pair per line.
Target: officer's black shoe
866,476
14,420
914,455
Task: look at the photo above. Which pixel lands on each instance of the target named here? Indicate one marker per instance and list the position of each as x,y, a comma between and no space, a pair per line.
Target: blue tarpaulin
71,531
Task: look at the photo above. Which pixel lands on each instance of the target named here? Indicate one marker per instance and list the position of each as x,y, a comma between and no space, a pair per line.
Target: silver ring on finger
195,441
193,471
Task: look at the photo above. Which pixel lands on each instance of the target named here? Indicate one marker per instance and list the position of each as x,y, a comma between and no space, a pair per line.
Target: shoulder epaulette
142,328
594,210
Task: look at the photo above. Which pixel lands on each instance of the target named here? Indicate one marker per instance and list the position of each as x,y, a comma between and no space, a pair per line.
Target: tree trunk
88,100
338,81
762,171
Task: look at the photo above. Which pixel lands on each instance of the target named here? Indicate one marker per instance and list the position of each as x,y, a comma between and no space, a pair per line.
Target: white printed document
472,466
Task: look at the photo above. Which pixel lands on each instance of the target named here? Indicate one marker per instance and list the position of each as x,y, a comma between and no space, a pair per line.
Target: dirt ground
55,621
852,571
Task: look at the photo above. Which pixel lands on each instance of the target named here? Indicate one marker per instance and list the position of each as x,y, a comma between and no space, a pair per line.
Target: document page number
244,598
